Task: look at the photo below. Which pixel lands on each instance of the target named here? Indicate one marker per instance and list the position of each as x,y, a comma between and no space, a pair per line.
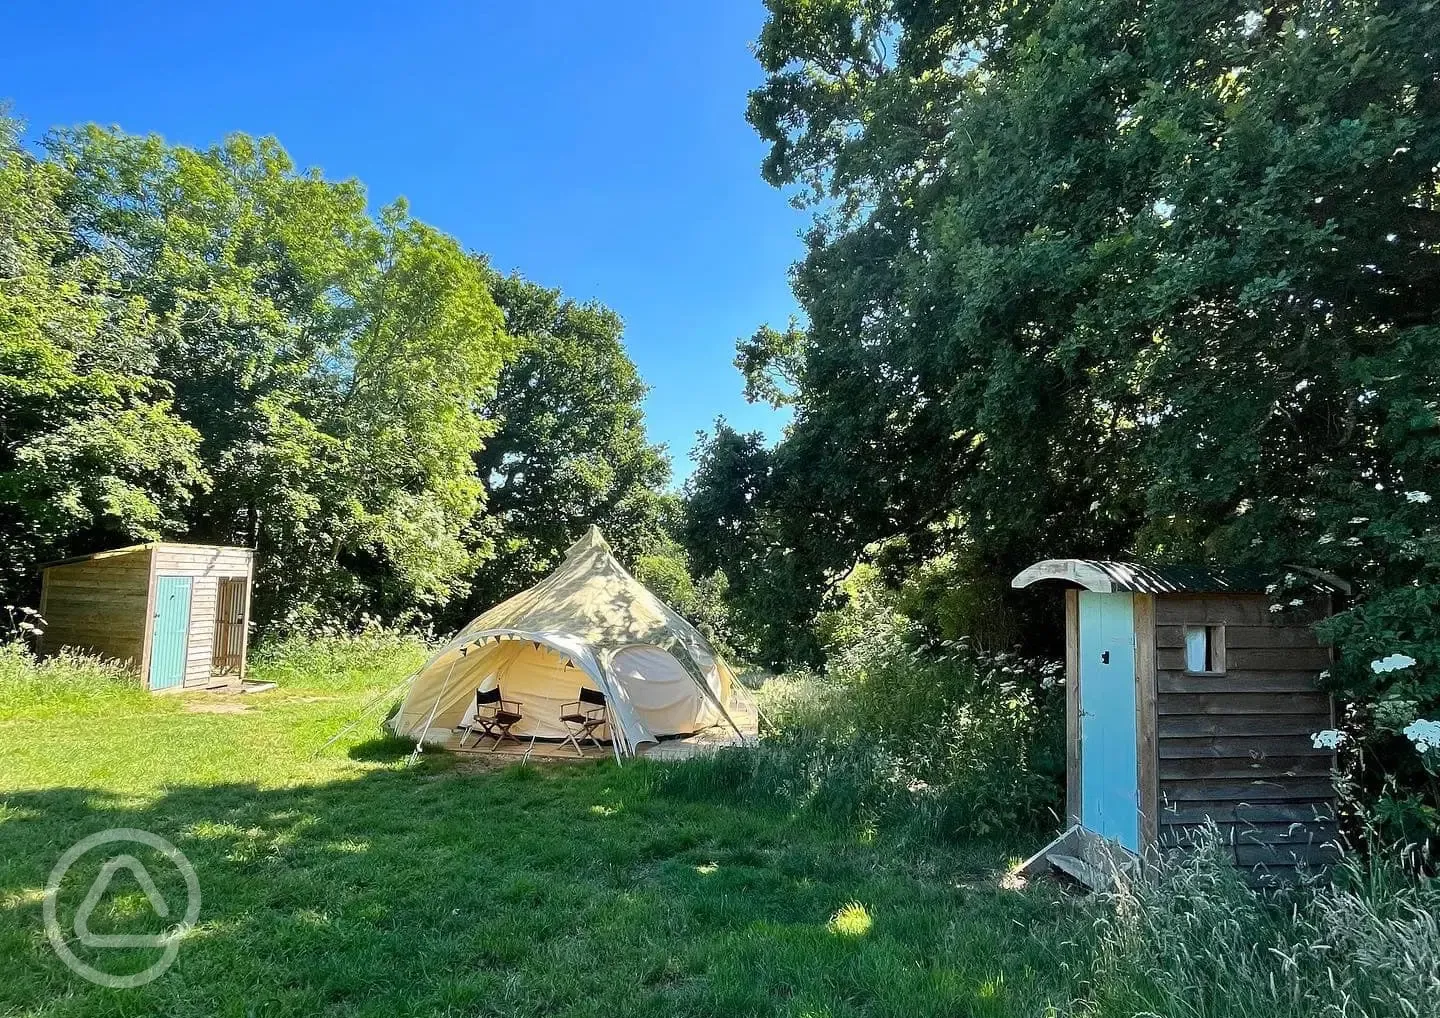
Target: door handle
1104,657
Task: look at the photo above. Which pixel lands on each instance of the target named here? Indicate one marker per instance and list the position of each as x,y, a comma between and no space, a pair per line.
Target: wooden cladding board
201,560
1275,844
98,606
1235,747
207,565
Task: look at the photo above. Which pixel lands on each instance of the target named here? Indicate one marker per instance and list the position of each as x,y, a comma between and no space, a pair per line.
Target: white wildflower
1272,588
1297,602
1391,663
1328,739
1357,520
1425,735
1418,497
1276,608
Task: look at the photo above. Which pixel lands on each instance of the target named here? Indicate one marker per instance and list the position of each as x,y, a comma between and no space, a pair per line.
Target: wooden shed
177,614
1192,695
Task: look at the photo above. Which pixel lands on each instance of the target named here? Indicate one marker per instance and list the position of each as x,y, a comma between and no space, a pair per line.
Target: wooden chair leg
505,733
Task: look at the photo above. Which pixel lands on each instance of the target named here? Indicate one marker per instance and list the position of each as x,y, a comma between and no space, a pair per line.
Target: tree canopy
569,446
209,345
1155,279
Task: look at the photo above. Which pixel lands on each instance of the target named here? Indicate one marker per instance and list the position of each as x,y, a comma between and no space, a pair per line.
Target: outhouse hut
176,614
1192,696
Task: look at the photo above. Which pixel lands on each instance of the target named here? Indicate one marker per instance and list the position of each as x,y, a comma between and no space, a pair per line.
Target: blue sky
598,147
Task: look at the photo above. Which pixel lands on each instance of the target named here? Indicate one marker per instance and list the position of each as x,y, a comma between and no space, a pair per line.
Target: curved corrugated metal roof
1104,576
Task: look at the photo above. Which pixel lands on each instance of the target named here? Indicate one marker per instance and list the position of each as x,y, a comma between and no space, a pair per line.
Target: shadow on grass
423,891
382,749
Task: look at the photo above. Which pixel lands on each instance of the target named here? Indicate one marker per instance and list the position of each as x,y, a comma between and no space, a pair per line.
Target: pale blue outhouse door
171,634
1109,784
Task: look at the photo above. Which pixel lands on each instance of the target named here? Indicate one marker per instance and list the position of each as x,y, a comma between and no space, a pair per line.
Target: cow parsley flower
1425,735
1391,663
1328,739
1418,497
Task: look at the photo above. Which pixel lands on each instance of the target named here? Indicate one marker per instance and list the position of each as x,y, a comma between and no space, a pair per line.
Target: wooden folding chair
583,717
494,717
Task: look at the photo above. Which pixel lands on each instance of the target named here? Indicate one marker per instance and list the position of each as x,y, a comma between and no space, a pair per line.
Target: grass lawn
346,883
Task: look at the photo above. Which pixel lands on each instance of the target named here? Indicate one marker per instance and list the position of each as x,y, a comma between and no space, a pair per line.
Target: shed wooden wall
98,605
1236,747
206,564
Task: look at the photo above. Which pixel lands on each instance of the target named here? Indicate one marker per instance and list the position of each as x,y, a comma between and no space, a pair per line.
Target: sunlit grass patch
852,920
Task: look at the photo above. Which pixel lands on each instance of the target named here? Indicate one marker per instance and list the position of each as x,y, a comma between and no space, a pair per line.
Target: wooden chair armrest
515,705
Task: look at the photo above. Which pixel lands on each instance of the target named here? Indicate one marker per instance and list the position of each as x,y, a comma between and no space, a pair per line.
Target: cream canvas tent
589,624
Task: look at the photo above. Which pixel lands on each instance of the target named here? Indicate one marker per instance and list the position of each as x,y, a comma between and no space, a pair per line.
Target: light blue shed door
1109,792
171,634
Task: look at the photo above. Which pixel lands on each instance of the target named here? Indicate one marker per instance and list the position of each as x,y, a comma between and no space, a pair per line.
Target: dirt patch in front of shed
199,707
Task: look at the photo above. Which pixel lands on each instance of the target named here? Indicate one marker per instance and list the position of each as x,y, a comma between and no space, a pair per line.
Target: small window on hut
1205,649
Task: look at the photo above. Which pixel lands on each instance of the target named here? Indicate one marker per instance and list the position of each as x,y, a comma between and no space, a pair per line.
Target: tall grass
1194,941
339,661
68,684
942,743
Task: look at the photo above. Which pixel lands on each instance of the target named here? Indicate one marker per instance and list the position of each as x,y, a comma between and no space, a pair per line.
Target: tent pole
433,710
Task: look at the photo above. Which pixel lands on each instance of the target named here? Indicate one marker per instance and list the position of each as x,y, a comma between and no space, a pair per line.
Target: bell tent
588,625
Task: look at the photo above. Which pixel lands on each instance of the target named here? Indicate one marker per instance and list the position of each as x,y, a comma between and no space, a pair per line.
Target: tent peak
593,540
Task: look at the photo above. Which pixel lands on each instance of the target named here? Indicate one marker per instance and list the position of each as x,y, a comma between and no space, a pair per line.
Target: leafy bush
1389,672
1195,941
942,742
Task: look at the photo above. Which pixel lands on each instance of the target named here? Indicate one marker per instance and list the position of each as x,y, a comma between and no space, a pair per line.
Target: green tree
1119,277
333,364
569,447
91,449
772,364
750,517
